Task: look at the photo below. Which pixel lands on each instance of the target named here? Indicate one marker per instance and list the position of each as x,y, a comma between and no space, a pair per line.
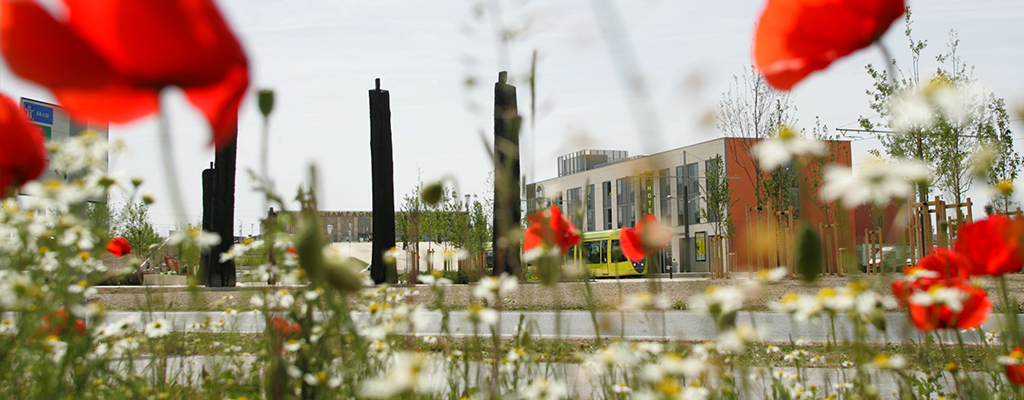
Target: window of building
574,206
625,196
606,188
688,189
665,187
590,208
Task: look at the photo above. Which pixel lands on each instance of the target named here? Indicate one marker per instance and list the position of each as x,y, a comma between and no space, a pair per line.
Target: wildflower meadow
947,326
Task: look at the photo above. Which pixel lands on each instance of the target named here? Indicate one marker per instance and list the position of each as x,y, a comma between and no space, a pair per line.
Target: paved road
675,325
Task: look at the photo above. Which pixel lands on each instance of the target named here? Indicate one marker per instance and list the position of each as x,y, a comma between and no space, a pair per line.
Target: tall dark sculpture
207,260
222,274
383,173
506,177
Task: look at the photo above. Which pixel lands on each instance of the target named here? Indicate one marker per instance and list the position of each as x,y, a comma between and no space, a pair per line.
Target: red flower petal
22,155
119,247
951,266
629,241
992,245
797,37
952,270
551,227
112,57
220,102
649,236
1015,373
976,310
54,324
653,233
172,42
39,48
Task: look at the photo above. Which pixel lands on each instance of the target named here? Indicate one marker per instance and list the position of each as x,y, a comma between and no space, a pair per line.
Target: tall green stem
1009,312
264,150
167,155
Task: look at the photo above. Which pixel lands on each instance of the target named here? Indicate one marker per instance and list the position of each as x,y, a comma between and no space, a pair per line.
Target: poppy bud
266,100
432,194
808,255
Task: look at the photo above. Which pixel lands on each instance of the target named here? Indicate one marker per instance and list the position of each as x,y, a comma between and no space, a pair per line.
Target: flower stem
1009,312
889,67
264,146
167,156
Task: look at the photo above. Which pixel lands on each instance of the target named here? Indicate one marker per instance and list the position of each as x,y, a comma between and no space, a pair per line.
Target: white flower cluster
490,288
387,313
877,182
854,298
238,250
645,301
406,372
783,147
643,370
718,300
928,102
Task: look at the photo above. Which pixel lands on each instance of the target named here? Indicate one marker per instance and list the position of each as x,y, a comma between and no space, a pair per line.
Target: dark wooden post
222,274
383,174
206,261
507,212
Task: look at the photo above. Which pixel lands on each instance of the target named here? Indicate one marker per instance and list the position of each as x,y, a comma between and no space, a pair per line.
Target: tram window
617,252
595,252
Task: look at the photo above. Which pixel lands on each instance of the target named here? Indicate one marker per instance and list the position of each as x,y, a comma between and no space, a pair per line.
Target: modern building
57,125
671,185
348,226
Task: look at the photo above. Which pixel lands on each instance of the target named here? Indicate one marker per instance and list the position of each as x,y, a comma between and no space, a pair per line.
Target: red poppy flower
992,245
56,323
1015,368
552,228
284,329
22,155
939,296
119,247
650,235
110,58
797,37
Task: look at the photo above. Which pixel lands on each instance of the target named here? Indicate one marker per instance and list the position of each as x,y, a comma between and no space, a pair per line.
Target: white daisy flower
490,288
158,328
877,182
787,145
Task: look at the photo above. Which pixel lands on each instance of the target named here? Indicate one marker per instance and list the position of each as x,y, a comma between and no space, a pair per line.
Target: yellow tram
598,251
601,253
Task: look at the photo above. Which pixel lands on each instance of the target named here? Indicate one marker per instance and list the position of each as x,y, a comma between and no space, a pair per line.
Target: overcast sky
321,57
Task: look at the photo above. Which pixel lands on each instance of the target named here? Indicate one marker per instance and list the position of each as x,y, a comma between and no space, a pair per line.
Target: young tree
717,197
408,223
964,120
99,217
1001,162
814,169
753,110
132,222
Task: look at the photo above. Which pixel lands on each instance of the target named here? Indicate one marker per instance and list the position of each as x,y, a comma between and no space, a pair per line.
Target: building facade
671,185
